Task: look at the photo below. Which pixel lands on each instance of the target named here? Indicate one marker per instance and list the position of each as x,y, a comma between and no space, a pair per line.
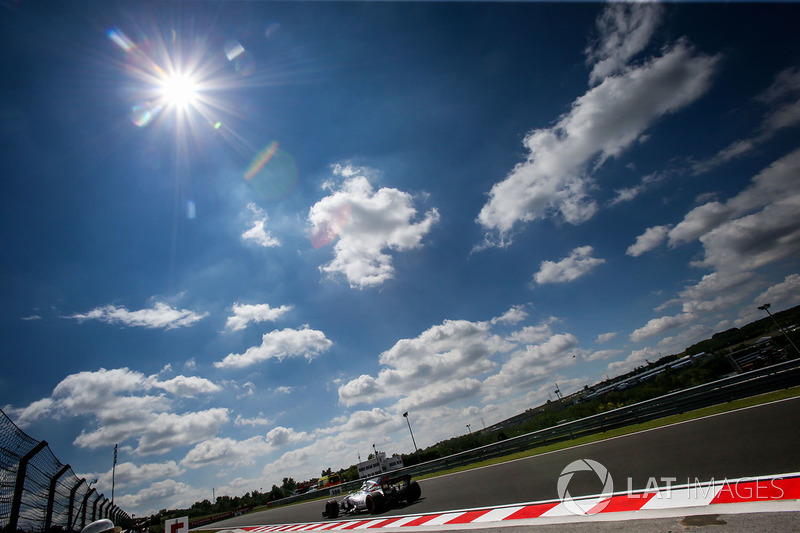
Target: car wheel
374,503
413,492
332,509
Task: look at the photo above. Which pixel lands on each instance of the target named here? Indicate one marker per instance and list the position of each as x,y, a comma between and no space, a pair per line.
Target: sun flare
179,90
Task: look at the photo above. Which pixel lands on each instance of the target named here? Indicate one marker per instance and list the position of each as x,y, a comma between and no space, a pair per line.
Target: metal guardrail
38,493
771,378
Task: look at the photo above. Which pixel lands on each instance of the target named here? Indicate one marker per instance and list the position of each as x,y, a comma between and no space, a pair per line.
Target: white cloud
715,292
259,420
625,30
650,239
698,221
513,316
240,452
441,393
160,432
257,233
602,123
783,111
532,334
786,293
244,314
160,315
603,354
534,364
165,494
576,265
605,337
454,350
127,474
187,386
753,228
279,344
659,325
118,402
368,224
755,240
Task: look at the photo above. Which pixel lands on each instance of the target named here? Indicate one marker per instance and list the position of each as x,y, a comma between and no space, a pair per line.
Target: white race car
377,494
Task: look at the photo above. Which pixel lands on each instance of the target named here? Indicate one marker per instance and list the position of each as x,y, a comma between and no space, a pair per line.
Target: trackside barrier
38,493
768,379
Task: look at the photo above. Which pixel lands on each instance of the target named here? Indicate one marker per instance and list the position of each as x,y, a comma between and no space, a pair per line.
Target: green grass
659,422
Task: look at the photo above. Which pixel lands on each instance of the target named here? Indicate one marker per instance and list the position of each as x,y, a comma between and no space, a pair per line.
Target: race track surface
756,441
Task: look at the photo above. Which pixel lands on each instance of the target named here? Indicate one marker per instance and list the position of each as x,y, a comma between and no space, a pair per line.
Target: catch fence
40,494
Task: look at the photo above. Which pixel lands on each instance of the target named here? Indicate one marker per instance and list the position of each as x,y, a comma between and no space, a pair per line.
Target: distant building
377,465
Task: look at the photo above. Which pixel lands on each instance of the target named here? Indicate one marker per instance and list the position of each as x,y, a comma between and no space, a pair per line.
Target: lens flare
272,173
326,231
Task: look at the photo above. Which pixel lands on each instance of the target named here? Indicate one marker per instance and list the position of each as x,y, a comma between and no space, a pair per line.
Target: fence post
16,503
72,503
85,505
94,507
48,517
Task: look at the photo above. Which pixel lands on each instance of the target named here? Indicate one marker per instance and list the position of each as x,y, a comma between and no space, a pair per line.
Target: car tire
413,492
332,509
375,503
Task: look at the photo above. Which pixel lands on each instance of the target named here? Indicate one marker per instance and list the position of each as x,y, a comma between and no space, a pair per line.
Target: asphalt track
760,440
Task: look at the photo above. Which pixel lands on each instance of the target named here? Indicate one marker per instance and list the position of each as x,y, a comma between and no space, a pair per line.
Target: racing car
377,494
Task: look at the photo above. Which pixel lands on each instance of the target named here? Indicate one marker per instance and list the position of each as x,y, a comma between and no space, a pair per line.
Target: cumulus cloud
257,232
240,452
244,314
579,263
786,293
555,180
650,239
603,354
533,364
605,337
123,408
127,474
452,350
367,225
661,324
753,228
279,344
450,363
168,493
259,420
160,315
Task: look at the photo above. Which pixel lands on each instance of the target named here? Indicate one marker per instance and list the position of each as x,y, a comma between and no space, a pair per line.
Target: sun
179,90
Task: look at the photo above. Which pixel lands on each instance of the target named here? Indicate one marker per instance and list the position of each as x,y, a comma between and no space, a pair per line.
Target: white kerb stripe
442,519
496,515
401,522
683,497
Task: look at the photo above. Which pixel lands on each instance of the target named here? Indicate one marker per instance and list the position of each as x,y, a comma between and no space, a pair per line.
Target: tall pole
405,415
766,307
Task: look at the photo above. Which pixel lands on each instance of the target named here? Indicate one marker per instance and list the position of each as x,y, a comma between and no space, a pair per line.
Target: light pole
766,307
405,415
468,429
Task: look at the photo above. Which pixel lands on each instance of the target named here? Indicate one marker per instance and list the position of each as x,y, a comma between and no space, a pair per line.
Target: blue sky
241,239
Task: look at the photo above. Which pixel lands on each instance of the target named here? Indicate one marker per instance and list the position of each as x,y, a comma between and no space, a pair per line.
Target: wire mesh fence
40,494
